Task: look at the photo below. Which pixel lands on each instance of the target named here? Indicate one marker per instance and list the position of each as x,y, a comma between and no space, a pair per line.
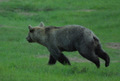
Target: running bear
68,38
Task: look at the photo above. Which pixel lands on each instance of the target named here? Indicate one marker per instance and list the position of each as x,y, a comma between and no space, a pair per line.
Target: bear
68,38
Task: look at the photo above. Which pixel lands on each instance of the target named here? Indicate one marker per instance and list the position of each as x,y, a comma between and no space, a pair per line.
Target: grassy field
21,61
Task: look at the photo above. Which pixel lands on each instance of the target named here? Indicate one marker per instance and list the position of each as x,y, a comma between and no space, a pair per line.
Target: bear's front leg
51,60
64,60
57,55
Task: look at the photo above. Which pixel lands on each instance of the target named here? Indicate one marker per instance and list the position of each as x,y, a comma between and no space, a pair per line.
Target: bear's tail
101,53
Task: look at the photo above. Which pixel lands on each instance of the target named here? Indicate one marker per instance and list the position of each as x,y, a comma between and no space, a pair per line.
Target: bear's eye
32,30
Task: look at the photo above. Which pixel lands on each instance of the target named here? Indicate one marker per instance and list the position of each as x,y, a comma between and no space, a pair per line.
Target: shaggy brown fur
68,38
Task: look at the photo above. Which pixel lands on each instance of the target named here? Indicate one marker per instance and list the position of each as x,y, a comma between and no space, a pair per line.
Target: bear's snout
29,39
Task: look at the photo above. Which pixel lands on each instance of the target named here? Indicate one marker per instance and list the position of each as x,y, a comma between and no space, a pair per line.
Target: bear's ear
41,24
30,27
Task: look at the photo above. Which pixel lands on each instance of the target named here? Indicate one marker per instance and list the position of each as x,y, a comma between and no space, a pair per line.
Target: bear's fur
68,38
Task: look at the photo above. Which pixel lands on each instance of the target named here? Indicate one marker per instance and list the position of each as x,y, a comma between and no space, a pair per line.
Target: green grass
21,61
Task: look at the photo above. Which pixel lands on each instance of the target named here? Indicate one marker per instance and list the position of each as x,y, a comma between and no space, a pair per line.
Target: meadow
22,61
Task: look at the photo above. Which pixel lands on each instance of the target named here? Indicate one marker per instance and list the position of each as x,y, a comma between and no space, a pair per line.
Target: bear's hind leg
103,55
92,57
89,54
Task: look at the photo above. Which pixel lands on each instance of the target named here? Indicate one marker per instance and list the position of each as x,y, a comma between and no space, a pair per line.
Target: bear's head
33,32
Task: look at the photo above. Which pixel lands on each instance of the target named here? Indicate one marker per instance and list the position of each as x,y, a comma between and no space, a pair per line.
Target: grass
21,61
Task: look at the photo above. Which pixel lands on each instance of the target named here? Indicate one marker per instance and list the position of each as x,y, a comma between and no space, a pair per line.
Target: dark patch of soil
86,10
113,45
73,59
76,59
4,0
